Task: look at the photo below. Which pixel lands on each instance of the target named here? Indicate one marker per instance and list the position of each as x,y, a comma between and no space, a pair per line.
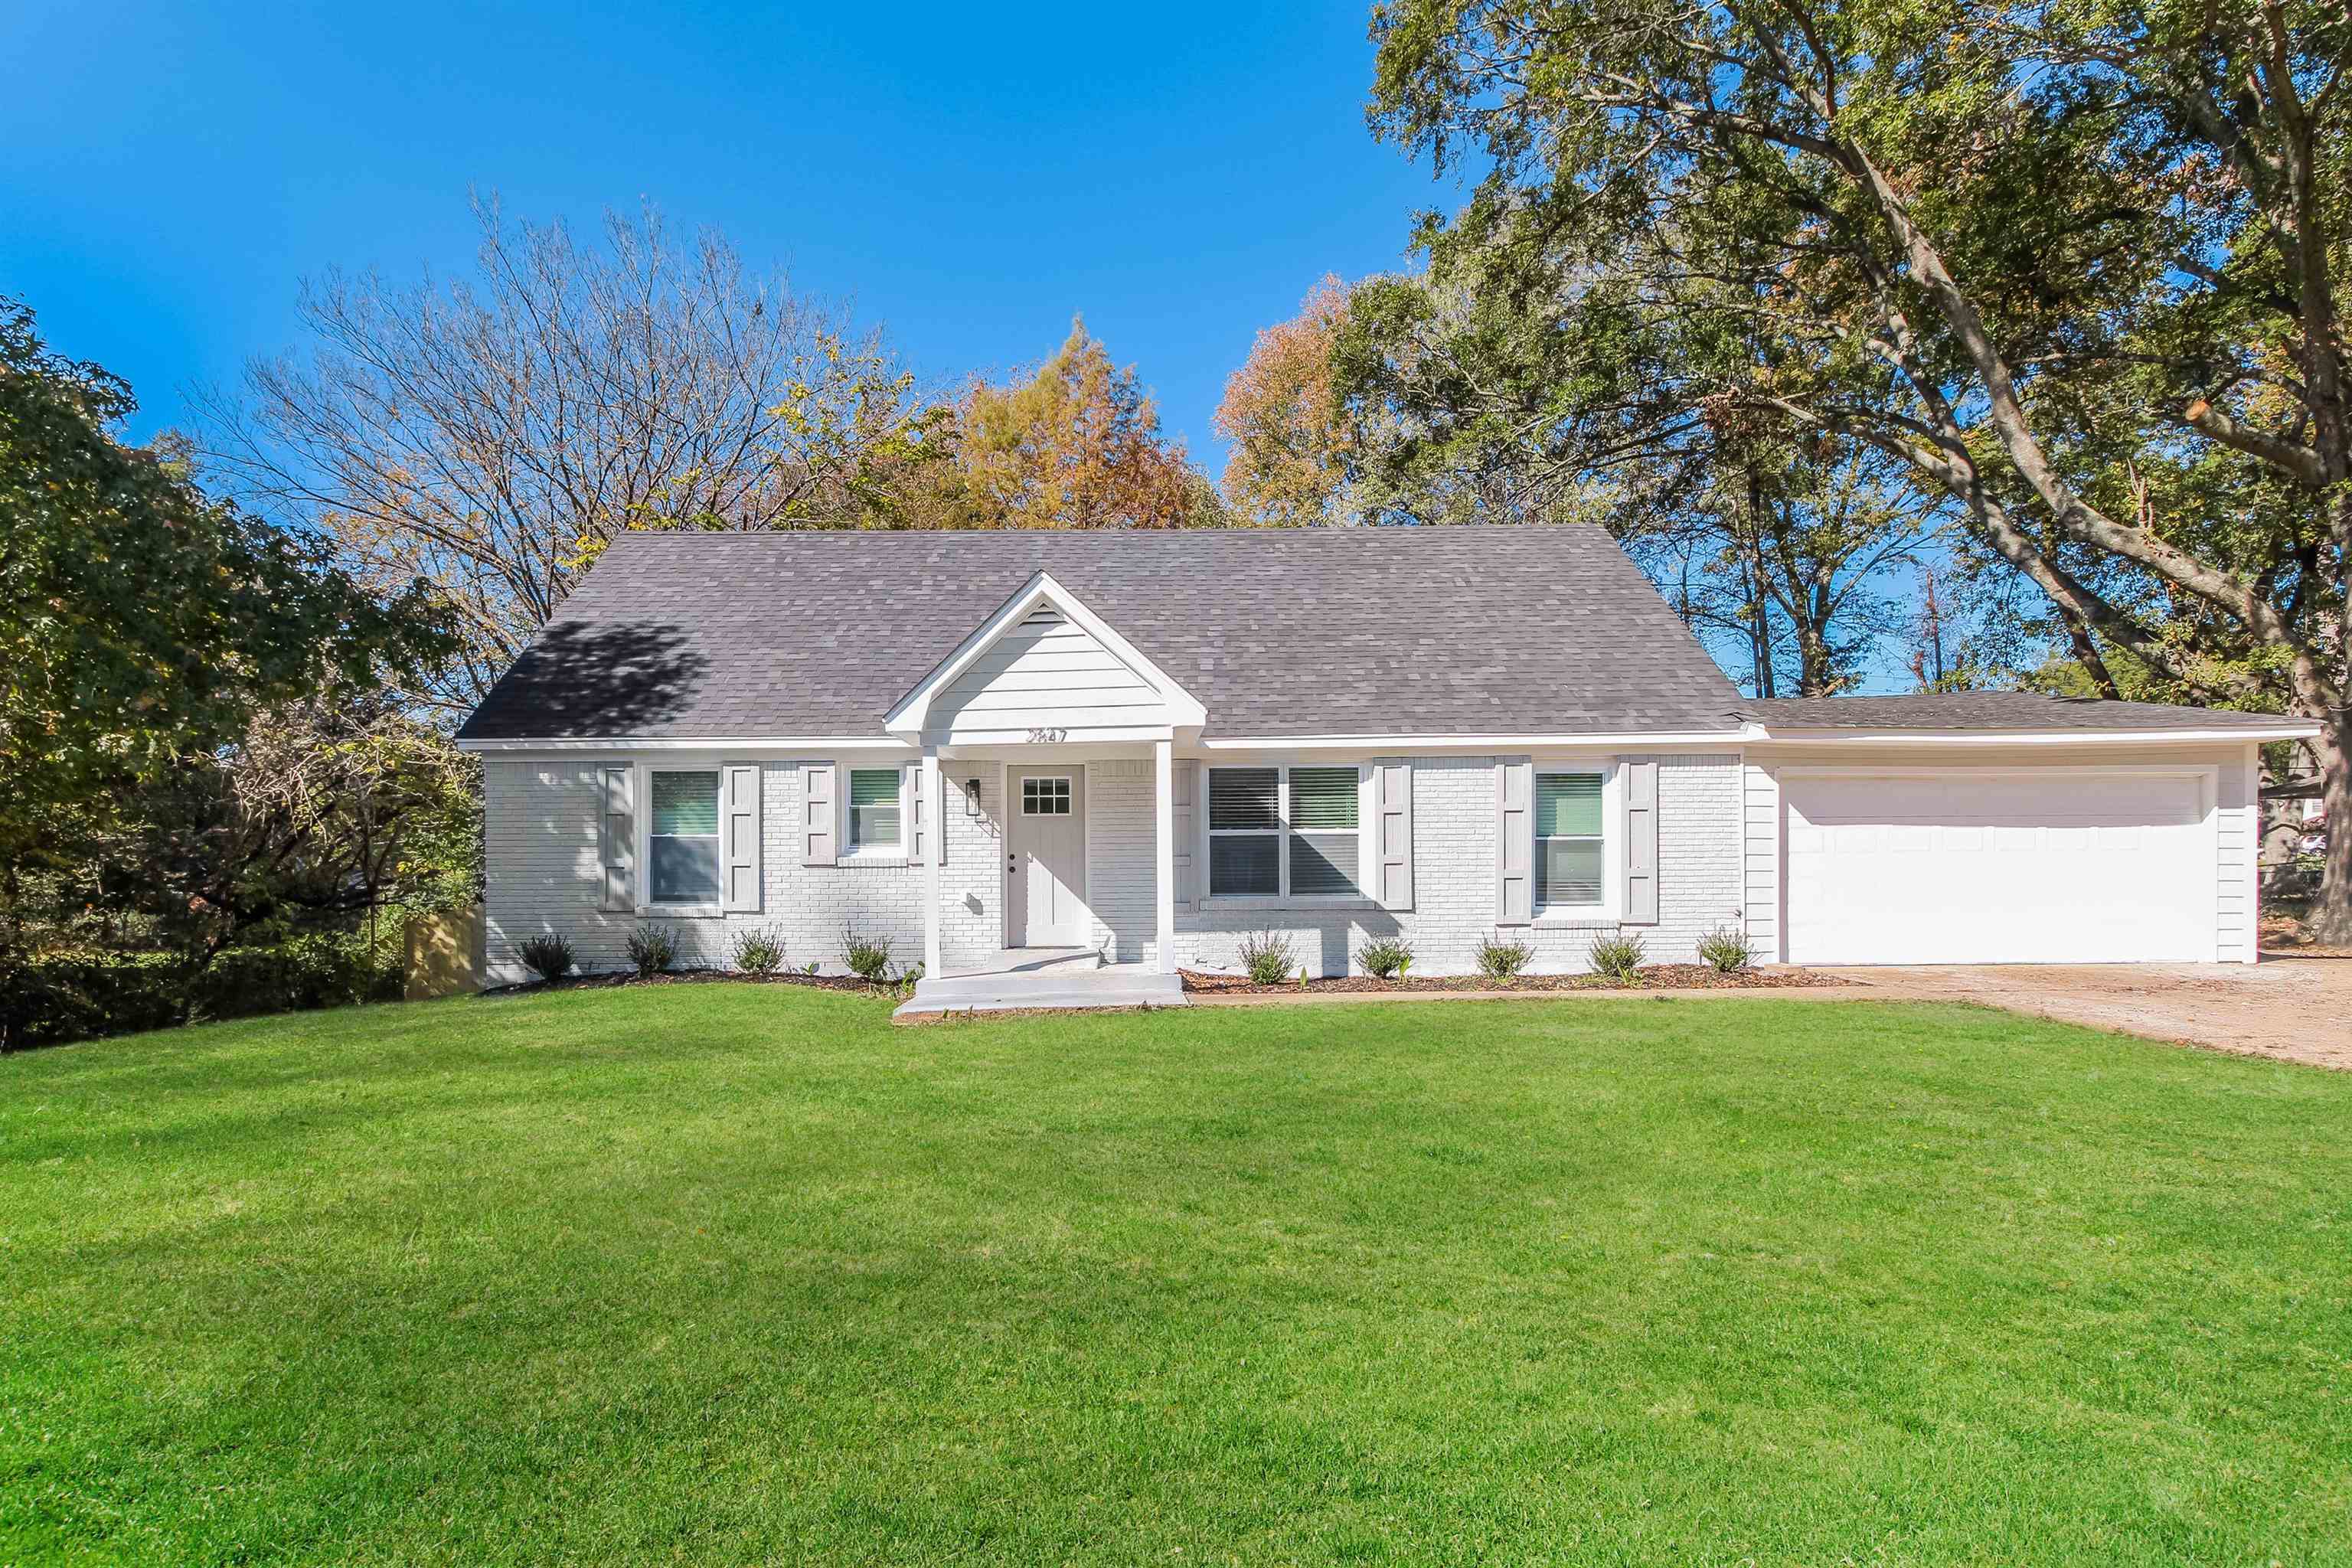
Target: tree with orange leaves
1075,446
1290,436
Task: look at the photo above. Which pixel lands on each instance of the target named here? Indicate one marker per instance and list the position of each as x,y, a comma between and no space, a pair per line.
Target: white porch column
934,826
1163,882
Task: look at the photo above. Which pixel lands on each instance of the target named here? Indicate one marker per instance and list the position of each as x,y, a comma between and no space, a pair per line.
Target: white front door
1998,867
1046,905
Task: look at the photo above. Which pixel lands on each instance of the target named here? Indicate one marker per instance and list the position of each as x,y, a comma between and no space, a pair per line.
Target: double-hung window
1572,863
875,824
1284,832
682,840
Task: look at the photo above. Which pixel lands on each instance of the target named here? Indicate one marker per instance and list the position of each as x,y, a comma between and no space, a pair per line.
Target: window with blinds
1283,832
1323,832
1569,859
682,838
873,808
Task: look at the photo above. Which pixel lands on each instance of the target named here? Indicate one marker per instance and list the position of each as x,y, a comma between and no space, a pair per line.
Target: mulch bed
1651,977
692,977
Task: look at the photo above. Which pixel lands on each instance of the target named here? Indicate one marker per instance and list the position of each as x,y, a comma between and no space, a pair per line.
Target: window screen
1245,832
1323,832
683,840
1569,858
873,808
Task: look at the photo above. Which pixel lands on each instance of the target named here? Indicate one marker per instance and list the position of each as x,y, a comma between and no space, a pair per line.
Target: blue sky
970,180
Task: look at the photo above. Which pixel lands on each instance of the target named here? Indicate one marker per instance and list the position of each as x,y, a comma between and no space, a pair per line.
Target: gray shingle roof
1992,710
1276,631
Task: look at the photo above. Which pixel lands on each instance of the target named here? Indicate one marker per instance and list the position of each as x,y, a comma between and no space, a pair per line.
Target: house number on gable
1037,735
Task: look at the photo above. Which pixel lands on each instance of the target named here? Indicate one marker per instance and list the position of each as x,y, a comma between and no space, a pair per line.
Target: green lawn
729,1274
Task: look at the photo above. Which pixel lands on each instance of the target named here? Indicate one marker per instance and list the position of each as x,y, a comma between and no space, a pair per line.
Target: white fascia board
1029,741
771,745
1413,744
2284,730
911,713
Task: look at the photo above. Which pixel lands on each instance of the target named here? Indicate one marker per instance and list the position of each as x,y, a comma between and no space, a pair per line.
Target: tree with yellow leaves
1077,444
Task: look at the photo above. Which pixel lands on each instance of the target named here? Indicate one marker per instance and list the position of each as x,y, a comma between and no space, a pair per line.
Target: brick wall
540,841
540,828
1699,880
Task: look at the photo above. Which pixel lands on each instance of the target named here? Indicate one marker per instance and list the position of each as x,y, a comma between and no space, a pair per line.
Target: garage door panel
2007,868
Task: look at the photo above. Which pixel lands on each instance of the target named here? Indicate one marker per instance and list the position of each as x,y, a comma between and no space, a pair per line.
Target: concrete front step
1033,961
1116,986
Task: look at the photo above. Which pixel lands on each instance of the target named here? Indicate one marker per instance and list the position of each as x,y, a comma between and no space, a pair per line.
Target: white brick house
1004,752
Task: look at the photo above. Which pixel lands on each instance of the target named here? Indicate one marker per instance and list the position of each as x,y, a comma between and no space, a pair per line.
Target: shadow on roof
606,678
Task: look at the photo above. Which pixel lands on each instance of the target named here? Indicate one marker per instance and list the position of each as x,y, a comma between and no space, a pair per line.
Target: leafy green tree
141,622
2077,268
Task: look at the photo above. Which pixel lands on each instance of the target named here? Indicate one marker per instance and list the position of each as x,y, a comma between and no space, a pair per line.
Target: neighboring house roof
1435,631
2017,710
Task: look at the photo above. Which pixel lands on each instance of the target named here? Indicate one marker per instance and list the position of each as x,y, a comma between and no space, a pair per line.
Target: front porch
1023,977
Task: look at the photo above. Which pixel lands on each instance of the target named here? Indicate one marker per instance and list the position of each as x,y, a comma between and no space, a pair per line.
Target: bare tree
492,434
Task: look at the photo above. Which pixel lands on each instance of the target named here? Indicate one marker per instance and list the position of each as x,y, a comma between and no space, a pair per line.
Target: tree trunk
2331,911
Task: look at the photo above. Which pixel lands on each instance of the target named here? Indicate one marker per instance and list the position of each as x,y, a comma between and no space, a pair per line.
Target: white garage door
1998,867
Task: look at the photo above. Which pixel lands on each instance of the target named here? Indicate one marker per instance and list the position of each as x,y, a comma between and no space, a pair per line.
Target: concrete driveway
2297,1009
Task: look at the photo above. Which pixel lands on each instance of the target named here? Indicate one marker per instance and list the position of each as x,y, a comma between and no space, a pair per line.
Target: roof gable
1043,660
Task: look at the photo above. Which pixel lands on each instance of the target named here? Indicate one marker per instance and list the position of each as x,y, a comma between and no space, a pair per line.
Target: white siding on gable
1047,673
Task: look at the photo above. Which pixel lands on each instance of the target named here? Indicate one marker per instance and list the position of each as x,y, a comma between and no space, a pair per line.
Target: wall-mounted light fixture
972,797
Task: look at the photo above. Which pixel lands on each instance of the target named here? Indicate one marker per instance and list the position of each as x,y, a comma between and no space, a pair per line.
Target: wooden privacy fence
444,954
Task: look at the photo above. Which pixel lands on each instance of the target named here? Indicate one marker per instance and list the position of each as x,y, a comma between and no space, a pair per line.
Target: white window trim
643,829
1367,853
854,854
1610,909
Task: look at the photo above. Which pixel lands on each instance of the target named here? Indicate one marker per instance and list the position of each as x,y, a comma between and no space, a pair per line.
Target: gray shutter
740,802
1392,824
820,825
617,838
1514,841
921,842
1641,843
1184,792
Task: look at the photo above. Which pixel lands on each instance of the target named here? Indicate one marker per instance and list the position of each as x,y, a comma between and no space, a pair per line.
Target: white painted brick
1699,880
540,838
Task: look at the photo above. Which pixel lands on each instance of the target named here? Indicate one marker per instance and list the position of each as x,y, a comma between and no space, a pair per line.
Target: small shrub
1727,950
1268,958
1617,956
1385,958
761,950
869,957
1500,960
549,957
652,948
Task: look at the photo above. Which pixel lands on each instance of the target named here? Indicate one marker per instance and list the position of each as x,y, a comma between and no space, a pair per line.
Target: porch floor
1043,977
